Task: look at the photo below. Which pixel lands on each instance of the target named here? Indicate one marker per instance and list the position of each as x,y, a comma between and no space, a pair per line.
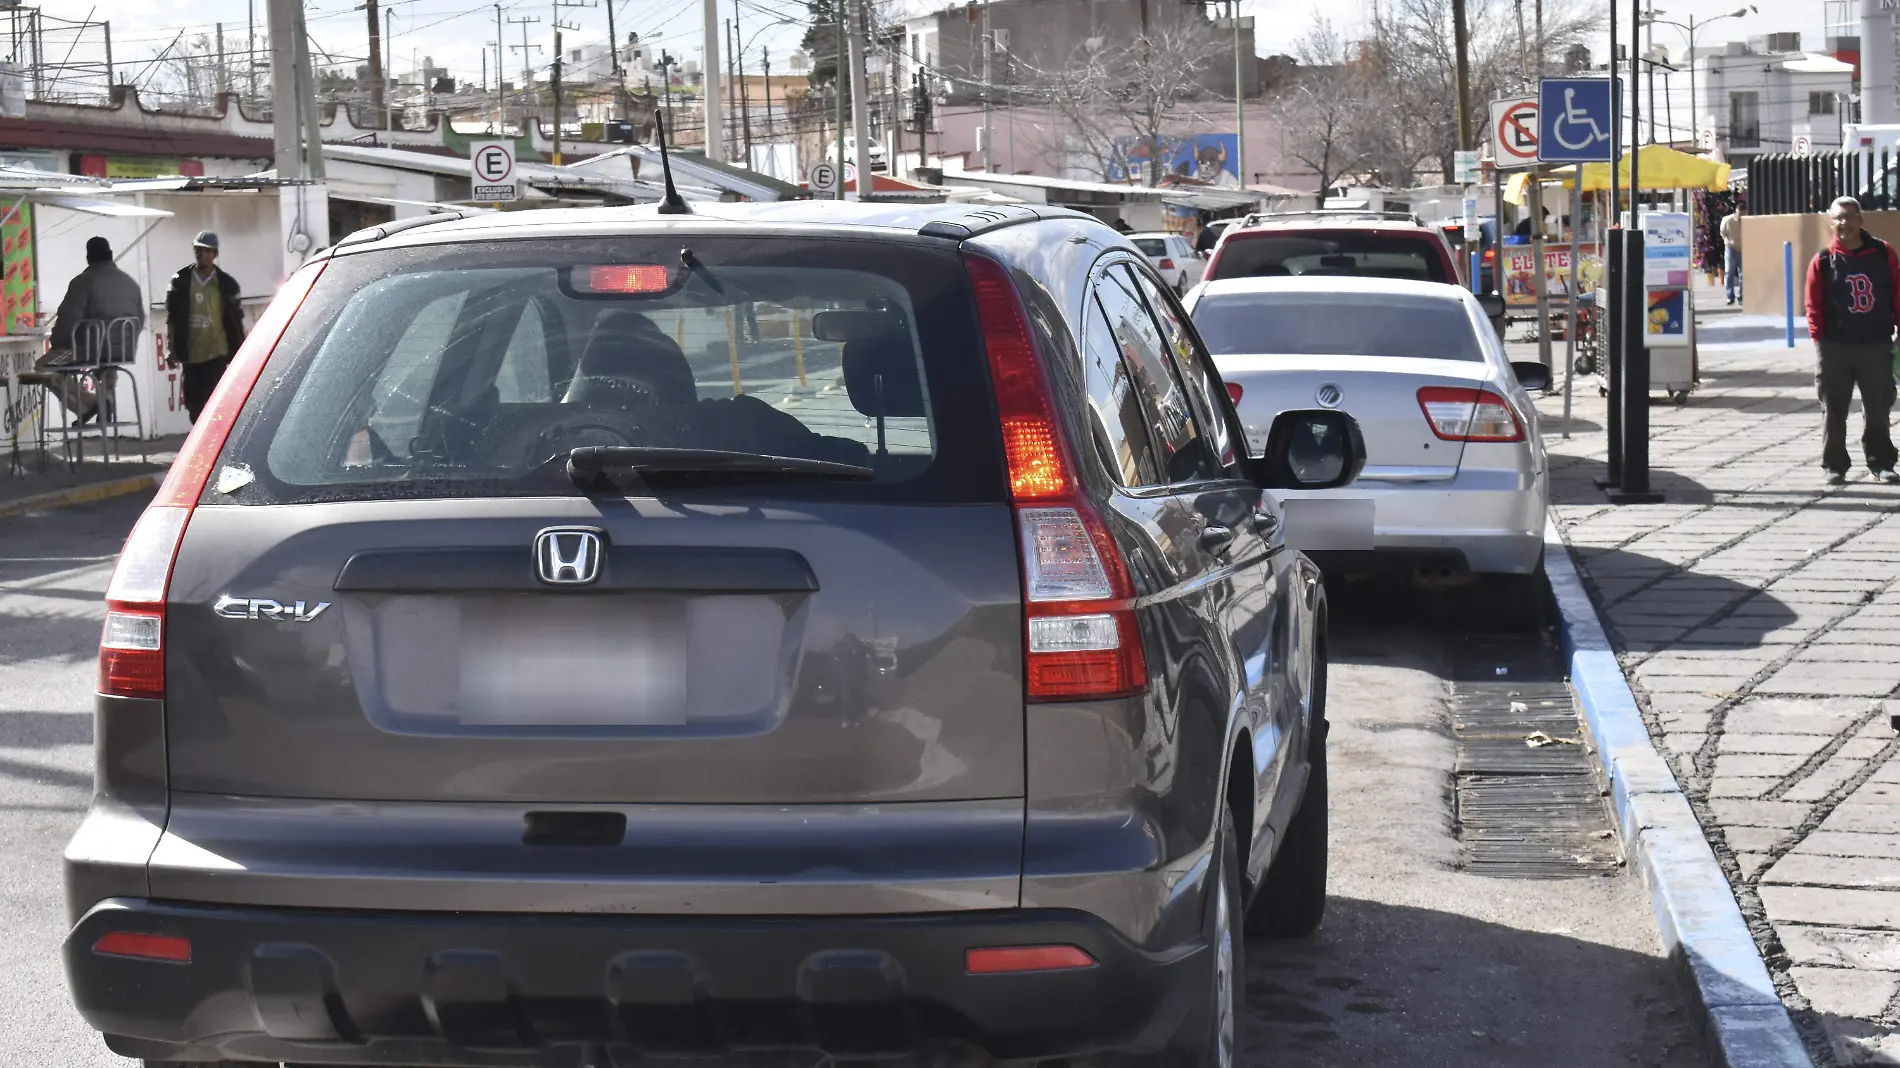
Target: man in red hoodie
1853,291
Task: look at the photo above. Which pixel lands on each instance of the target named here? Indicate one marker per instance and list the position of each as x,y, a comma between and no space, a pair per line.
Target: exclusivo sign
492,172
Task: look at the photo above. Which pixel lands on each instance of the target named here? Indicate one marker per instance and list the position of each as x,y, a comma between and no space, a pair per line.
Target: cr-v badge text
264,608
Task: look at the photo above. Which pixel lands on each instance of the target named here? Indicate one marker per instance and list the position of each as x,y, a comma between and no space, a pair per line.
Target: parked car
1455,465
1338,242
588,634
1173,256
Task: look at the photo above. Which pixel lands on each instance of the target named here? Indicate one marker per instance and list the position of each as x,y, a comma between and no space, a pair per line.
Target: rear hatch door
395,590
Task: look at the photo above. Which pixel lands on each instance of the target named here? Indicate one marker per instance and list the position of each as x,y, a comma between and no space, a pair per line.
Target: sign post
492,177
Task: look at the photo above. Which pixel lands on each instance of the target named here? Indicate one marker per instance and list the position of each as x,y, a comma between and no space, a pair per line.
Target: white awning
115,209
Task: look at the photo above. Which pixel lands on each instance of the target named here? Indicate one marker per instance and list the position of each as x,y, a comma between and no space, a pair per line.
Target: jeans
1732,273
1843,367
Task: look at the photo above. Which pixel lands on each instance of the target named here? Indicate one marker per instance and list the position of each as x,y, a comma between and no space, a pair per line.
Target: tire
1181,286
1218,1043
1292,898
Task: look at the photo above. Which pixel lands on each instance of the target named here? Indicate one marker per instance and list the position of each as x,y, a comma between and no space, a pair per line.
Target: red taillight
132,644
1004,959
1458,413
168,948
1167,264
1234,391
1081,641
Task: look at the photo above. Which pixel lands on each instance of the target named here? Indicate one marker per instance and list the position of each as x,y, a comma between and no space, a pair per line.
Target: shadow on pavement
1646,602
1498,995
1573,482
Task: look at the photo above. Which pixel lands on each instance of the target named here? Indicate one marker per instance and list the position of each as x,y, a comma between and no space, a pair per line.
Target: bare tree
1324,109
1123,102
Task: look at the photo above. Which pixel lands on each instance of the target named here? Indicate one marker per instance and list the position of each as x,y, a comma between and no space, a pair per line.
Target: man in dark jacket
205,322
101,292
1852,292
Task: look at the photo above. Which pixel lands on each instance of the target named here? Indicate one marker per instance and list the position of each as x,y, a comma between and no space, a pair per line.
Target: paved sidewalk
55,479
1757,616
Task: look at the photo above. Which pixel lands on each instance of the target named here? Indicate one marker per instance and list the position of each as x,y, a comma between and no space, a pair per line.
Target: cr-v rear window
476,369
1333,252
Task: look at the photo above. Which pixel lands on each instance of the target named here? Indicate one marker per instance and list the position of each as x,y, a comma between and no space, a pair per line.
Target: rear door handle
1216,538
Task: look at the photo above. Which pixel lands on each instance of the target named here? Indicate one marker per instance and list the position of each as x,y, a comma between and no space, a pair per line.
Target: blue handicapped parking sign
1575,117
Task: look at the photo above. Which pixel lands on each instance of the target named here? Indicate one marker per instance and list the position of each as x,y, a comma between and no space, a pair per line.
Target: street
1417,964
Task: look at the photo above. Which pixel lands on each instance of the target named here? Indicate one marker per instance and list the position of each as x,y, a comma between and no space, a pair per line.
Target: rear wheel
1220,1044
1292,898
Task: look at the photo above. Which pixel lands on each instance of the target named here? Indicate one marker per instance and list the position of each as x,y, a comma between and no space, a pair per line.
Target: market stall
1669,311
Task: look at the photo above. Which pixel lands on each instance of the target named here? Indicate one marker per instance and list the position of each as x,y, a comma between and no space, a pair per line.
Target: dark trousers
1844,366
199,379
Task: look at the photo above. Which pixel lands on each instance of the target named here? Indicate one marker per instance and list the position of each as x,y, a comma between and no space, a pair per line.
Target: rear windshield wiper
585,465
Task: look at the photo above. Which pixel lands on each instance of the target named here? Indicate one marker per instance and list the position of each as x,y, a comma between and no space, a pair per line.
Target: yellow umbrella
1662,168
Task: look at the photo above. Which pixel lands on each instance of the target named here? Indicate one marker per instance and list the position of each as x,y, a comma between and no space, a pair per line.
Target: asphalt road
1417,964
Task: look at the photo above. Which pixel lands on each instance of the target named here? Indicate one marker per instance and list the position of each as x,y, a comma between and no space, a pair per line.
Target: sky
456,33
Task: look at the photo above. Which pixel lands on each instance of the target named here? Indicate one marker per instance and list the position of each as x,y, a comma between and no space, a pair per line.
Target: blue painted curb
1742,1020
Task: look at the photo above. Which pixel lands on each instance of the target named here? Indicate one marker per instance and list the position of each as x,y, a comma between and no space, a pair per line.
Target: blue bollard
1787,286
1477,277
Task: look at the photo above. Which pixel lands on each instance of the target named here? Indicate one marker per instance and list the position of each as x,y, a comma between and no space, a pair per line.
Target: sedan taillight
1460,413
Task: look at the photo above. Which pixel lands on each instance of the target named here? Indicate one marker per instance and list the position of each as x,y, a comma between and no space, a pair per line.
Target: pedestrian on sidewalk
205,321
1853,289
1732,253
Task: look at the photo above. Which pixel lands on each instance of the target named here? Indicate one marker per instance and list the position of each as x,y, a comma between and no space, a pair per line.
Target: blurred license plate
1314,523
574,661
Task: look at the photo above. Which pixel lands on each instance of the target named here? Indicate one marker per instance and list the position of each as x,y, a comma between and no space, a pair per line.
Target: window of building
1820,103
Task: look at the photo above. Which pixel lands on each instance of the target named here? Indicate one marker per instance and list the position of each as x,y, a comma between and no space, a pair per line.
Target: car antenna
671,204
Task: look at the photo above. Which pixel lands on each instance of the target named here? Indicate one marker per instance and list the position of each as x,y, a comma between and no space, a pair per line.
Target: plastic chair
103,350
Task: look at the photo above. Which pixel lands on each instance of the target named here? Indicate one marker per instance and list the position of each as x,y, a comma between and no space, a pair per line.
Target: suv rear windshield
1332,252
476,369
1337,324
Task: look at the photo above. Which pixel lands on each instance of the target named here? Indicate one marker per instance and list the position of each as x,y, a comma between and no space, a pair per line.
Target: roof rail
980,221
382,230
1257,217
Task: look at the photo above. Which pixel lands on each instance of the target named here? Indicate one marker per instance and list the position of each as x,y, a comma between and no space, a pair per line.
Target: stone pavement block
1868,873
1876,793
1874,909
1750,863
1783,715
1871,819
1851,844
1841,992
1848,652
1678,704
1743,742
1854,635
1796,682
1772,765
1740,786
1778,814
1865,747
1855,1043
1690,723
1722,684
1841,947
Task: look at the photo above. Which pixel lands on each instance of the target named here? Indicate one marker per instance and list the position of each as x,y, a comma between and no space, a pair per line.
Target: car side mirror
1312,449
1532,376
1493,305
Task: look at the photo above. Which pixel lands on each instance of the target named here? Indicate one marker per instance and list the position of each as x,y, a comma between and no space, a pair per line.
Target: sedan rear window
1337,324
479,370
1338,252
1151,246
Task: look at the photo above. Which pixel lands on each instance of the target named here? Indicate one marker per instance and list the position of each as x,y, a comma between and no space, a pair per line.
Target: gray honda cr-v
573,636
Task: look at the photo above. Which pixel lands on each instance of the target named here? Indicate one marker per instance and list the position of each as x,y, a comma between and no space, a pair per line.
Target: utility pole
840,83
1240,105
501,100
389,41
287,154
554,82
221,85
107,27
989,87
1461,37
745,102
767,54
375,56
732,101
527,68
250,48
709,82
860,101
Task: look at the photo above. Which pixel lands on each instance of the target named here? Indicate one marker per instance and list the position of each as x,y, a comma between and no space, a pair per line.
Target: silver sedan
1455,467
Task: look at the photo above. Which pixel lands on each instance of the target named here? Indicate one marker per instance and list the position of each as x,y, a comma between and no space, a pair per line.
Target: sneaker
1837,478
1888,476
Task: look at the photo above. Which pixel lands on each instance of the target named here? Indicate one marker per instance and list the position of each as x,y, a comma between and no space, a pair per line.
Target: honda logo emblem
567,556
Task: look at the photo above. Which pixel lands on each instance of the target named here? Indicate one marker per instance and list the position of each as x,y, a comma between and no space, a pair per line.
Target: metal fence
1791,185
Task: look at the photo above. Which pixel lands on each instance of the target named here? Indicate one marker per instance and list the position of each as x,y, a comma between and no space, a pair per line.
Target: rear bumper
329,987
1491,518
